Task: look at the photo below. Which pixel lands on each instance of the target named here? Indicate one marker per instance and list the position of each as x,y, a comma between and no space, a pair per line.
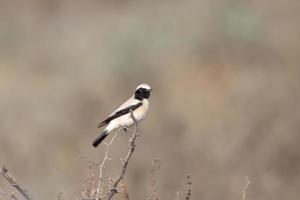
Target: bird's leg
124,128
130,129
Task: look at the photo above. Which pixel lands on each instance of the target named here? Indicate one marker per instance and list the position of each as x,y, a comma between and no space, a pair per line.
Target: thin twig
246,186
102,165
135,134
14,183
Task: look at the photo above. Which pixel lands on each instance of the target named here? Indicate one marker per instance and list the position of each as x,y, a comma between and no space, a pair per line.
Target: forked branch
125,161
101,166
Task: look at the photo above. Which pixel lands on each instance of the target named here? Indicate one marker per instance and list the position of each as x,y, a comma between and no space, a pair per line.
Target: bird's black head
142,92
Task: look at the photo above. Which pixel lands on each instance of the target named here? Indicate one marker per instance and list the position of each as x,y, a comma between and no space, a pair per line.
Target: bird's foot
124,128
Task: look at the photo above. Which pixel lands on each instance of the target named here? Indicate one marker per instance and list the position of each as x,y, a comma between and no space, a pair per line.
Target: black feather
124,111
100,138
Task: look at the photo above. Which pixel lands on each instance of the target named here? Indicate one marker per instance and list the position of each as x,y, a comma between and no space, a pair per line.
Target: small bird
121,118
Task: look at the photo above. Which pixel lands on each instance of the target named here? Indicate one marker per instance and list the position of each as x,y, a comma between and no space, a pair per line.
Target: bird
121,117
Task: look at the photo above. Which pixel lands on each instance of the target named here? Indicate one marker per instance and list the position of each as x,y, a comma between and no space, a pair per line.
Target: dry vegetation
105,190
225,102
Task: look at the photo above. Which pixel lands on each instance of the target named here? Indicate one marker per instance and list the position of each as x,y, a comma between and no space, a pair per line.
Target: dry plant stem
123,190
244,194
14,183
189,187
154,168
102,165
135,134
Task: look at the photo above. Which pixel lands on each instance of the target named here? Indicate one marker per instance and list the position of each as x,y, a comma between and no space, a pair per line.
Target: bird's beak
150,90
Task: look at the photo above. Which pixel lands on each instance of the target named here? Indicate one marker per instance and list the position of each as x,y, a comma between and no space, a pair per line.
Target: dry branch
14,183
101,166
189,187
125,161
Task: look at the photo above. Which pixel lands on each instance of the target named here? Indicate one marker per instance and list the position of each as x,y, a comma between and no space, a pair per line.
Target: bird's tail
100,138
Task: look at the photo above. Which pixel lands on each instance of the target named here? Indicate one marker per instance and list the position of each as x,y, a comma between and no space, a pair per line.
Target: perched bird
121,118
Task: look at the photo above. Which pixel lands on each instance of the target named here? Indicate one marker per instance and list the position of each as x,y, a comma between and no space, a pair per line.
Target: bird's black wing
121,112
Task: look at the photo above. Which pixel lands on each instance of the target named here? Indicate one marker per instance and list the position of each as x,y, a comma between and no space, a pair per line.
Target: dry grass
89,186
225,104
189,187
155,166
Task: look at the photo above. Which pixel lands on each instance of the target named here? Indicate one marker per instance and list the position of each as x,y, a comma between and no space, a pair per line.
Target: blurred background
225,101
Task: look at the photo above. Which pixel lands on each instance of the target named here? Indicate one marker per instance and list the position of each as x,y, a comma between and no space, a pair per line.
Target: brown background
225,104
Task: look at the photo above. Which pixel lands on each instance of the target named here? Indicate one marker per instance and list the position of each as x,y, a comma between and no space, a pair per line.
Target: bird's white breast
139,114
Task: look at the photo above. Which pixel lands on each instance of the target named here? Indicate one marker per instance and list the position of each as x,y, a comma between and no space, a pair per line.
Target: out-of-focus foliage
225,102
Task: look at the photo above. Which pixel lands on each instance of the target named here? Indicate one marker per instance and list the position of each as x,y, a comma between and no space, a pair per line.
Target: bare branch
135,134
189,187
14,183
102,165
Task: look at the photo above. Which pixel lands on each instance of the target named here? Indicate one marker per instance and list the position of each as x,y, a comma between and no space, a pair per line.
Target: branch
14,183
102,166
189,187
125,161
